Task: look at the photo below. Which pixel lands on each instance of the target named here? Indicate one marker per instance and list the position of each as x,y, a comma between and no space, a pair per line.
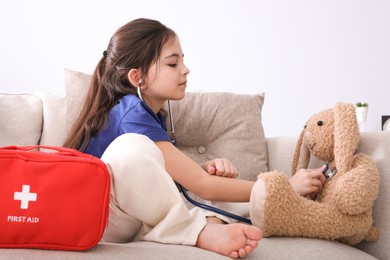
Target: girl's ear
134,77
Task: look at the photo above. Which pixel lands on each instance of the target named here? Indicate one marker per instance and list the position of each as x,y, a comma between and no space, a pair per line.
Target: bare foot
233,240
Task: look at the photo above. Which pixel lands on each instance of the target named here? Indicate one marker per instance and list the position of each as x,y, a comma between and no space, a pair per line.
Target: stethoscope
329,173
184,191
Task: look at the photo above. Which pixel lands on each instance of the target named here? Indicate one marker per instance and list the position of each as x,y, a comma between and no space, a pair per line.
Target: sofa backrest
21,119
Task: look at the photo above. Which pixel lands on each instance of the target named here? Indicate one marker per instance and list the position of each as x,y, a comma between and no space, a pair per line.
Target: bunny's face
319,135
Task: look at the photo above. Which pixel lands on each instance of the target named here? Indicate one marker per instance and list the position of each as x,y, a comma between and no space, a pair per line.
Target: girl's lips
183,83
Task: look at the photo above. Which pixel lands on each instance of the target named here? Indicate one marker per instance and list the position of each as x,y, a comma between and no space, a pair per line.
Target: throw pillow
76,88
212,125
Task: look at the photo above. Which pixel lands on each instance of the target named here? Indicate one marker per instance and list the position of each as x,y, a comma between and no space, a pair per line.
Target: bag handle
58,149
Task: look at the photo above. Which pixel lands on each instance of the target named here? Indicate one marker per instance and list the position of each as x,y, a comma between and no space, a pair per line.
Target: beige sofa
208,125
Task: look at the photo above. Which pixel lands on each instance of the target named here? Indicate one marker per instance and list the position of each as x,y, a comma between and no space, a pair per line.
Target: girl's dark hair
135,45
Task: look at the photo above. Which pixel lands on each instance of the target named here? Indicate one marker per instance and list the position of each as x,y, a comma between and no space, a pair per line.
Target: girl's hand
308,181
220,167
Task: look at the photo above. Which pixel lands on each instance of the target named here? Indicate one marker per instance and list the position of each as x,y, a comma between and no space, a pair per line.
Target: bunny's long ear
301,155
346,136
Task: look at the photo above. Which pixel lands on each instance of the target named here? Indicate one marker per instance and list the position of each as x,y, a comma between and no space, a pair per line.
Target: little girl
122,122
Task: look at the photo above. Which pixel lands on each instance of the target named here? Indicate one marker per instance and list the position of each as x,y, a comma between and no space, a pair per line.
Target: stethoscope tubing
213,209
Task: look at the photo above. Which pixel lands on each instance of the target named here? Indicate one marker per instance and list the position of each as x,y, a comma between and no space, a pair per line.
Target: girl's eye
172,65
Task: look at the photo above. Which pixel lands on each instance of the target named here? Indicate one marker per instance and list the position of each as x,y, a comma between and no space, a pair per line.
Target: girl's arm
212,187
194,178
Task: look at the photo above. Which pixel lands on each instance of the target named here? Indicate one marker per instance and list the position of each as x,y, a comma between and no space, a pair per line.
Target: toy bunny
343,209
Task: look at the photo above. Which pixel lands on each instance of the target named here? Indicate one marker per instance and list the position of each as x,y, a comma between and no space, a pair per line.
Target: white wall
306,55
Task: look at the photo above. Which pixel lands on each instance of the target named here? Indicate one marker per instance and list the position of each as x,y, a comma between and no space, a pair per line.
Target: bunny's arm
358,188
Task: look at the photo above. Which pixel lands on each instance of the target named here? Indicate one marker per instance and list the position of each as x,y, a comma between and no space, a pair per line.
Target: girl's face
167,77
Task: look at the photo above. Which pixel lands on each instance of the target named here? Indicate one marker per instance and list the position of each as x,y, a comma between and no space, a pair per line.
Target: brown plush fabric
287,215
343,210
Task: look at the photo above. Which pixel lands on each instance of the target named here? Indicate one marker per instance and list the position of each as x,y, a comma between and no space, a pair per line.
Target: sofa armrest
377,145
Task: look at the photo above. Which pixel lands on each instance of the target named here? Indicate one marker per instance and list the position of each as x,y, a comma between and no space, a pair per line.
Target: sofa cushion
269,248
227,125
20,119
54,119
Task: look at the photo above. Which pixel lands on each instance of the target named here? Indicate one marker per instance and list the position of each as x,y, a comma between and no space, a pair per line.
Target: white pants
145,202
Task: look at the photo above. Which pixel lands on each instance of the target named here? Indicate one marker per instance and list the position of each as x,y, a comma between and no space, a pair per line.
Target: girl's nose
186,70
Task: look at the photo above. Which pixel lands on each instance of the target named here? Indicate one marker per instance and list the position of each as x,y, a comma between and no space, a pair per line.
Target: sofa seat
269,248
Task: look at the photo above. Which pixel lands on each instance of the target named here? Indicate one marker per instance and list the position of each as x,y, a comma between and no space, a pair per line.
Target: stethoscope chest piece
329,173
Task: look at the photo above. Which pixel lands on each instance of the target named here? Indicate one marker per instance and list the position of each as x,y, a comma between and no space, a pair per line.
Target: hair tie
105,53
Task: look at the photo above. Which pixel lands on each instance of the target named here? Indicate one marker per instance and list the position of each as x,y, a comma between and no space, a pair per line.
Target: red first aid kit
52,200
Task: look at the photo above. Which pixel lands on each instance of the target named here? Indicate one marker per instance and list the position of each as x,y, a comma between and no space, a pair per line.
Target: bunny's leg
279,211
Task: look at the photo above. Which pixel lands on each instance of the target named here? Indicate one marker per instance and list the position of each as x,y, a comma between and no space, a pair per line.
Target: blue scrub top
130,115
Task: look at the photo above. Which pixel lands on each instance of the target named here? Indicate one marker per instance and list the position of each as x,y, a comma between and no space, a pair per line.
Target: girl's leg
145,202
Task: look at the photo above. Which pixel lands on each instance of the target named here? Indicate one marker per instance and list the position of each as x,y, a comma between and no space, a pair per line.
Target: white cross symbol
25,196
